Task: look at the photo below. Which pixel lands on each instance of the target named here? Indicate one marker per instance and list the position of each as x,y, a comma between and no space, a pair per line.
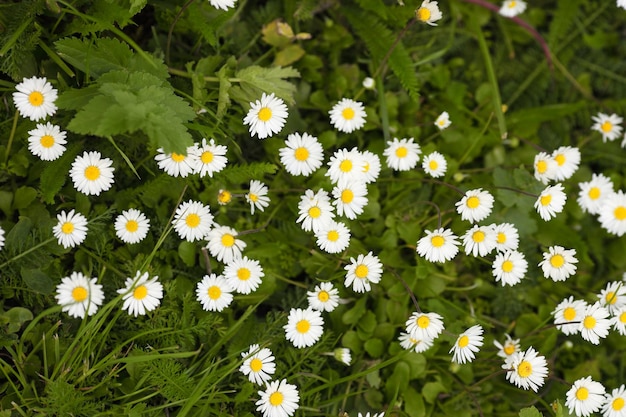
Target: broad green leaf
255,80
374,347
23,197
55,174
18,235
414,403
187,252
430,390
398,381
16,317
37,281
353,315
530,412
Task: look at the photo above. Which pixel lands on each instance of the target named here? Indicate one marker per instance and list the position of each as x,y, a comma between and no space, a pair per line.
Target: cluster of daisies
587,396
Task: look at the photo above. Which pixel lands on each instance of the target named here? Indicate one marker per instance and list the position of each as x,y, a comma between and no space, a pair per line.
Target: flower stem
11,136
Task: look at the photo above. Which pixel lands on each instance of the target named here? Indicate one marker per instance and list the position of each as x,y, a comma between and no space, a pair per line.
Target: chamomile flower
210,158
279,399
479,240
440,245
35,98
224,197
266,116
467,344
403,154
223,4
324,297
511,8
619,320
475,205
214,292
424,326
333,237
346,165
595,323
71,229
509,267
428,12
141,294
567,160
417,345
585,397
615,402
363,271
46,141
178,164
244,274
608,126
371,166
527,370
343,355
613,296
559,263
193,221
131,226
347,115
569,314
92,174
304,327
258,365
612,214
507,237
508,349
551,201
79,295
257,196
350,198
224,245
302,154
621,3
435,165
593,193
314,210
443,121
545,167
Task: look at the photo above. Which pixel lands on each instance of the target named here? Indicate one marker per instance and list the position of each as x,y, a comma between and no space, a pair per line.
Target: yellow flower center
35,98
622,317
509,349
333,236
348,113
557,261
92,172
347,196
315,212
79,294
512,4
402,152
47,141
228,240
323,296
560,159
606,127
243,274
524,369
545,199
224,197
542,166
303,326
423,321
594,193
67,228
478,236
253,197
177,157
437,241
140,292
507,266
473,202
345,165
610,297
361,271
423,14
366,167
132,226
582,393
276,398
433,165
214,292
207,157
463,341
301,154
265,114
192,220
569,313
620,213
617,404
256,365
501,238
589,322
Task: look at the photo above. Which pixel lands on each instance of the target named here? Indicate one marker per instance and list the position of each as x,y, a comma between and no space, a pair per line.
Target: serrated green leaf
237,174
76,98
223,100
268,80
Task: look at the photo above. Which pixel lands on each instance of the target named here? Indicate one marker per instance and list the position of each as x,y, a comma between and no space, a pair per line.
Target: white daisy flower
373,415
608,126
193,221
333,237
559,263
177,164
479,240
508,349
569,314
223,4
131,226
527,370
595,323
92,174
210,158
266,116
467,344
343,355
371,166
223,244
279,399
621,3
417,345
585,397
428,12
347,115
403,154
440,245
314,210
443,121
346,165
141,294
258,364
214,293
612,214
363,271
424,326
567,160
302,154
257,196
511,8
46,141
507,237
304,327
593,193
435,165
71,229
324,297
545,167
509,267
619,320
613,296
224,197
615,402
350,198
79,295
244,274
475,205
35,98
551,201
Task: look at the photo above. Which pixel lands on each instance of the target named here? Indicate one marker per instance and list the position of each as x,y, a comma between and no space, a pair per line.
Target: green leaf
187,252
530,412
19,233
431,390
374,347
398,381
23,197
223,100
237,174
353,315
37,281
16,317
254,80
414,403
54,175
